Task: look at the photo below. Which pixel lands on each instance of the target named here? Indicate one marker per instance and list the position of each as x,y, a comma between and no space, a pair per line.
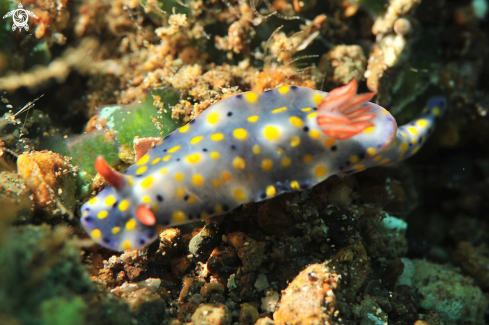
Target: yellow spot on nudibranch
116,230
404,146
359,167
92,201
155,161
371,151
280,151
179,177
174,149
297,122
252,119
204,215
215,155
422,123
123,205
217,136
126,245
307,159
256,149
271,132
216,183
436,111
239,163
213,118
110,200
266,164
369,129
141,170
166,158
415,150
184,128
271,191
196,139
193,159
102,214
239,194
306,109
377,158
320,171
354,159
251,97
286,162
146,199
180,193
131,224
146,183
197,180
315,134
412,130
283,89
163,171
226,176
385,161
295,185
191,199
178,216
312,115
278,110
144,159
218,208
130,182
96,234
317,98
295,141
328,143
240,134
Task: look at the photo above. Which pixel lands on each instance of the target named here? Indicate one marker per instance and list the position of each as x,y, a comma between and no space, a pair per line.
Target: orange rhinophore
113,177
145,215
342,114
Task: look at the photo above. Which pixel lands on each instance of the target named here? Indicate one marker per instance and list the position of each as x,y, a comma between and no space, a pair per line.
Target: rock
15,198
211,314
51,179
309,299
447,292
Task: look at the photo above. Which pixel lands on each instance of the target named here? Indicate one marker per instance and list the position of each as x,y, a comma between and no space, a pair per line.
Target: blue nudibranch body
248,148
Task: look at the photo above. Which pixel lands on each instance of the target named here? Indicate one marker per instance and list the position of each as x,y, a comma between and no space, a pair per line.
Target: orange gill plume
342,113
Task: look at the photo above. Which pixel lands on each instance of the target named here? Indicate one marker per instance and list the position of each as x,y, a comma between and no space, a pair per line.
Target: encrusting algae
314,235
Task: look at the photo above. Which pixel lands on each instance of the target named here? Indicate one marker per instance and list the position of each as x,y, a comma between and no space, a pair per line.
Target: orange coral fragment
343,114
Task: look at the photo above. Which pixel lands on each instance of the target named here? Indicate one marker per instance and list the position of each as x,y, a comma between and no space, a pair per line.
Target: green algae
124,124
60,311
142,119
37,264
83,150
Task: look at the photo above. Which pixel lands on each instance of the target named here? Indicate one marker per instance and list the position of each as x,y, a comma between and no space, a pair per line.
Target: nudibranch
248,148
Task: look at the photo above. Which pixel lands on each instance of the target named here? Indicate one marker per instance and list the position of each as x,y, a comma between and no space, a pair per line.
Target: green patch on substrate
125,123
143,119
44,282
